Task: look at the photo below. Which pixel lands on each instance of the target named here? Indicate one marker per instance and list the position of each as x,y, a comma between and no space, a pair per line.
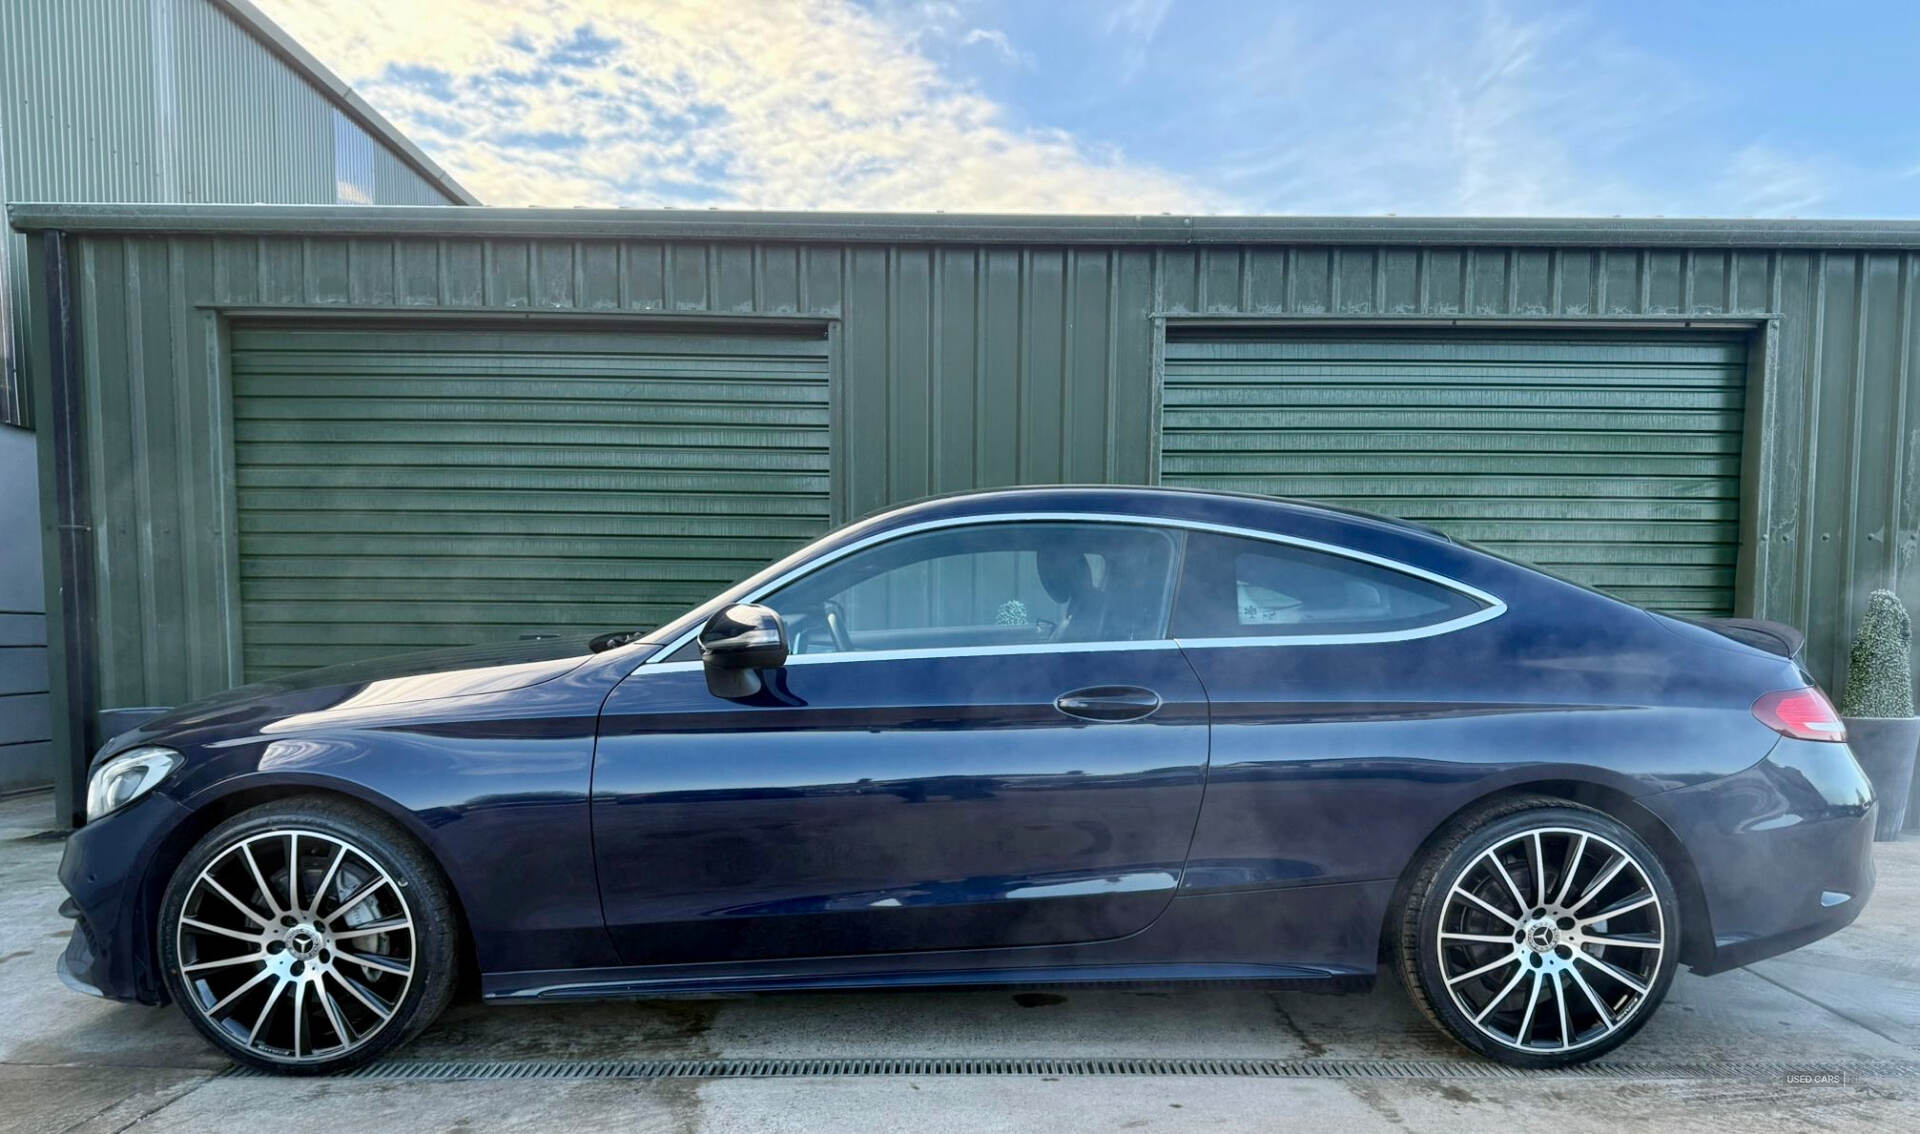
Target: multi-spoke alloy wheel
298,944
1544,937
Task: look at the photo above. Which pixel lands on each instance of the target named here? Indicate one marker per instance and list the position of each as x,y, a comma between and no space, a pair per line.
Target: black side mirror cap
738,641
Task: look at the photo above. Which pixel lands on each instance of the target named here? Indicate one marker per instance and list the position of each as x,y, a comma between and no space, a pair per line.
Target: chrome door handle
1109,703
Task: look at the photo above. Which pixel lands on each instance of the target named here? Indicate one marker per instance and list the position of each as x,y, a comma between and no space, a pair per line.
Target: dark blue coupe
1031,736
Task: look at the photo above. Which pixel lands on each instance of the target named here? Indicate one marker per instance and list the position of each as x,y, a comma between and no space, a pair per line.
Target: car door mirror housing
736,642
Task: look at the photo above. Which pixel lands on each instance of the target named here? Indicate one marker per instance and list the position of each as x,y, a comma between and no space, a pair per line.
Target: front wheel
1539,933
307,936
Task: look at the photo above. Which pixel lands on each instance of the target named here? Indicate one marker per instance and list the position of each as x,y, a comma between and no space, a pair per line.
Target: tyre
1539,933
307,936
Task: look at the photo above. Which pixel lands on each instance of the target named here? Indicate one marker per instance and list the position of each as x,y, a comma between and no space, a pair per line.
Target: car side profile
1033,736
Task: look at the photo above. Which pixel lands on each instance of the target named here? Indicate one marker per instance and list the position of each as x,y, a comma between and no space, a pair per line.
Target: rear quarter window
1236,587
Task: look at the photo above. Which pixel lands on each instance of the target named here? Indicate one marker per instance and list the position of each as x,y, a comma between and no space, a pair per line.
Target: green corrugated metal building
145,101
292,435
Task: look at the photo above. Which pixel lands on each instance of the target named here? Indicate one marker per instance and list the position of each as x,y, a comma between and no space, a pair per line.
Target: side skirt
663,981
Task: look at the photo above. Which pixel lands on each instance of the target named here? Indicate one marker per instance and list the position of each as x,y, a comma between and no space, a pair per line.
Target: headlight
127,777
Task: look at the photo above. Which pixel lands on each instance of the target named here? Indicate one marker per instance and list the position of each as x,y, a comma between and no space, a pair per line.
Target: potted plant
1878,707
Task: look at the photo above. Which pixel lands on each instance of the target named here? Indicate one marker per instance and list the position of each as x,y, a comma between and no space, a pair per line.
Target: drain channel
1063,1068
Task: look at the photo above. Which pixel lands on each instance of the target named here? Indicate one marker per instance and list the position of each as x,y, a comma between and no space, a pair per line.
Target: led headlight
127,777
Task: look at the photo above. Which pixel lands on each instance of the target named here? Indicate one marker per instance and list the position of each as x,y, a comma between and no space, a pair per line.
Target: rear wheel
1540,933
307,936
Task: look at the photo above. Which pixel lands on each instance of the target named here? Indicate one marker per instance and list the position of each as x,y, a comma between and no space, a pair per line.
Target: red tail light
1804,714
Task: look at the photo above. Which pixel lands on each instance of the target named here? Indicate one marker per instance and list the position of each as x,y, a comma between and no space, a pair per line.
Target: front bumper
80,958
108,872
1783,850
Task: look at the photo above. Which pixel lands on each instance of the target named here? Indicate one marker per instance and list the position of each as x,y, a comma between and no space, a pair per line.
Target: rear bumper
1783,850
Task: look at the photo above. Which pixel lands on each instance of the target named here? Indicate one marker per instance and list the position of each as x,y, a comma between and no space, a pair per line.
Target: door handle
1109,703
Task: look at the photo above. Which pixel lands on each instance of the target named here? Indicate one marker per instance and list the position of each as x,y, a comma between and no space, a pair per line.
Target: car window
1005,584
1233,587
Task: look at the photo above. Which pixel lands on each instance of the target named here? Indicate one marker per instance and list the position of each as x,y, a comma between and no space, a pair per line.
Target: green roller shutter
1614,461
405,488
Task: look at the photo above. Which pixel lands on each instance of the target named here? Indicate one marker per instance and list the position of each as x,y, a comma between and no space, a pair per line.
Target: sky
1430,107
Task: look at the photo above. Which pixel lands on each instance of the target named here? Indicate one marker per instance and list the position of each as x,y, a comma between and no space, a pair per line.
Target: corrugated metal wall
965,366
961,366
251,129
397,183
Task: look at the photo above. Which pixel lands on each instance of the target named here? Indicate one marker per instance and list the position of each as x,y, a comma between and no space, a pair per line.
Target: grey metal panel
79,85
23,669
21,589
396,182
23,719
25,729
251,128
72,128
959,365
26,765
24,630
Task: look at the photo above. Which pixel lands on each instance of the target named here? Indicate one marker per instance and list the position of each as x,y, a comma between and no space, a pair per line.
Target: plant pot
1913,803
1885,747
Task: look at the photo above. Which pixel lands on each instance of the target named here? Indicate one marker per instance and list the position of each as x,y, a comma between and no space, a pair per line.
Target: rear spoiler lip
1776,638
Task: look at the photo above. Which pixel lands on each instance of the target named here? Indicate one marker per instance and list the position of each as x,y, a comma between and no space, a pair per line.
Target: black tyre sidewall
1439,1003
435,937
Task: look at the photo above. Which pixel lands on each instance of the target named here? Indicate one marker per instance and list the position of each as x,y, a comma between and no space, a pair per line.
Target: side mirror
737,642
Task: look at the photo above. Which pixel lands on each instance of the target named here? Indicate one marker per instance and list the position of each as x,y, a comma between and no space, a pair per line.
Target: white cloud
817,105
1452,111
1136,23
1000,44
1763,181
1485,108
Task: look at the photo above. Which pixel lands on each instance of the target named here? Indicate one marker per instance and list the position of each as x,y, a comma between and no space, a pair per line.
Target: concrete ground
68,1062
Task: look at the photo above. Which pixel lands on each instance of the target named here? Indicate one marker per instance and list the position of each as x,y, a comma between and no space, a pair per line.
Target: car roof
1161,502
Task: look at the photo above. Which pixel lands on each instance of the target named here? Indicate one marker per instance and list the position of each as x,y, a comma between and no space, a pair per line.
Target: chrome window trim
1484,614
1494,607
955,652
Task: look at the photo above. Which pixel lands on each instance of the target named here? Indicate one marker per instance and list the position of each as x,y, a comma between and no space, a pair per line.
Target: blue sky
1479,107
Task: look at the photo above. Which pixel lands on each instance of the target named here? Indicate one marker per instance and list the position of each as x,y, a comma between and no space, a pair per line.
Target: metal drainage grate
1203,1068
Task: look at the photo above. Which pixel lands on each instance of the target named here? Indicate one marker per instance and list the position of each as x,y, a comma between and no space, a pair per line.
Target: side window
1247,588
1005,584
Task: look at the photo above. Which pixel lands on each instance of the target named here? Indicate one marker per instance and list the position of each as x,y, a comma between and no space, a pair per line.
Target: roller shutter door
402,489
1614,461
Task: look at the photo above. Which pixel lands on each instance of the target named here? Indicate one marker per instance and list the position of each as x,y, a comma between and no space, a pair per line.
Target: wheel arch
214,806
1696,929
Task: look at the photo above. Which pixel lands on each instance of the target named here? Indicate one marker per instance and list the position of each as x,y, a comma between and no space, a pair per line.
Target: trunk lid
1773,637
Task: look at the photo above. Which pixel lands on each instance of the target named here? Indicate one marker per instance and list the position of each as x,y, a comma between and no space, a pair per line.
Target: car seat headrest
1064,573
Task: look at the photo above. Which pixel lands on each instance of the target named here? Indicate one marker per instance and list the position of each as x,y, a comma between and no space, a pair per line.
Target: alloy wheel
1551,940
297,944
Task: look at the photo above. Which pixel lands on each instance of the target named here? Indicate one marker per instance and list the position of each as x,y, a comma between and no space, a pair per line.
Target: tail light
1804,714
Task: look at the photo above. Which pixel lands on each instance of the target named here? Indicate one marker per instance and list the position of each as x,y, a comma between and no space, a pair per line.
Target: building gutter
960,228
74,603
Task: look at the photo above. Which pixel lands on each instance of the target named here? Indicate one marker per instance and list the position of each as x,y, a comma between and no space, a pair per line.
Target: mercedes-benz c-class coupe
1034,736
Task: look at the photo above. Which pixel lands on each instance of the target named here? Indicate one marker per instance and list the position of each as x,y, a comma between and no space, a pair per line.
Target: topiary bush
1879,670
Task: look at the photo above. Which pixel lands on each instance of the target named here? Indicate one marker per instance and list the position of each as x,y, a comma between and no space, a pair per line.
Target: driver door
982,738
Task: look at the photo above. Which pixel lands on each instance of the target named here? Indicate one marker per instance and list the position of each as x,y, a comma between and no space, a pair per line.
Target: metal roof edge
257,24
960,228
